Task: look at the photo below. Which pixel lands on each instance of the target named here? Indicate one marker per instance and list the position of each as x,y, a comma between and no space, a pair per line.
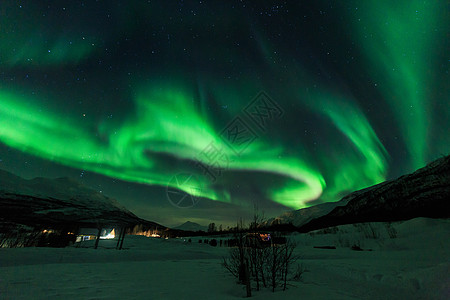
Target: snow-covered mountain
191,226
424,193
302,216
61,201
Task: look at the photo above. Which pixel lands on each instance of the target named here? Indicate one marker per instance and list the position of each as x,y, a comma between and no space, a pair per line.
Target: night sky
201,110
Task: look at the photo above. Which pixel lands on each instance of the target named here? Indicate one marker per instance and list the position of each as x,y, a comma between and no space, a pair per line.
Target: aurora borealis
127,94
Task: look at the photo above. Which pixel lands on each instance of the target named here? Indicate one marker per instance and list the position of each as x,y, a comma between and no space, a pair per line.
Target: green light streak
165,122
350,168
399,39
44,134
351,122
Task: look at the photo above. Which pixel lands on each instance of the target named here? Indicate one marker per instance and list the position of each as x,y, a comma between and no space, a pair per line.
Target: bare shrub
18,238
391,231
299,271
267,264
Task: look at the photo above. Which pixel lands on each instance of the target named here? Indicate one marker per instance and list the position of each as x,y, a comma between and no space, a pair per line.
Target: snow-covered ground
413,265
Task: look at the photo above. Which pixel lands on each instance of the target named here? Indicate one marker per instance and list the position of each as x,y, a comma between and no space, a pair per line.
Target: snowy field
410,262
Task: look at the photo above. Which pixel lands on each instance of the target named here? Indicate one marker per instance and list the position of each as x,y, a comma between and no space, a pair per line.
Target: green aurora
167,120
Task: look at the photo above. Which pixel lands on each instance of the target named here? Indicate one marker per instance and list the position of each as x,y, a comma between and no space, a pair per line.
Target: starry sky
202,110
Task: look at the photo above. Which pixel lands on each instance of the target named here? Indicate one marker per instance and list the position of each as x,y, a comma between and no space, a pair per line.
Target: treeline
13,236
214,231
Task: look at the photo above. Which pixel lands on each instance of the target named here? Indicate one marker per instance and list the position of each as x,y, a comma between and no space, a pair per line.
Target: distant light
111,235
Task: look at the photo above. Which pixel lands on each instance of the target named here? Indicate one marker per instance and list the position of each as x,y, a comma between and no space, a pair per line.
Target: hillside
58,202
424,193
302,216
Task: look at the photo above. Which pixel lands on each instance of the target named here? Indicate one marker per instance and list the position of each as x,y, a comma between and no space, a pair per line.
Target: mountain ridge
59,202
191,226
423,193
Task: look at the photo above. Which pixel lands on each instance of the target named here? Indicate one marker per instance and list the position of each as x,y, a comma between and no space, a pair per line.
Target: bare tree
237,264
274,264
287,258
256,250
269,264
211,227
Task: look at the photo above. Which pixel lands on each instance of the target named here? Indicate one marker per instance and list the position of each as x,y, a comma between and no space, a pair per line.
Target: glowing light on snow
110,235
